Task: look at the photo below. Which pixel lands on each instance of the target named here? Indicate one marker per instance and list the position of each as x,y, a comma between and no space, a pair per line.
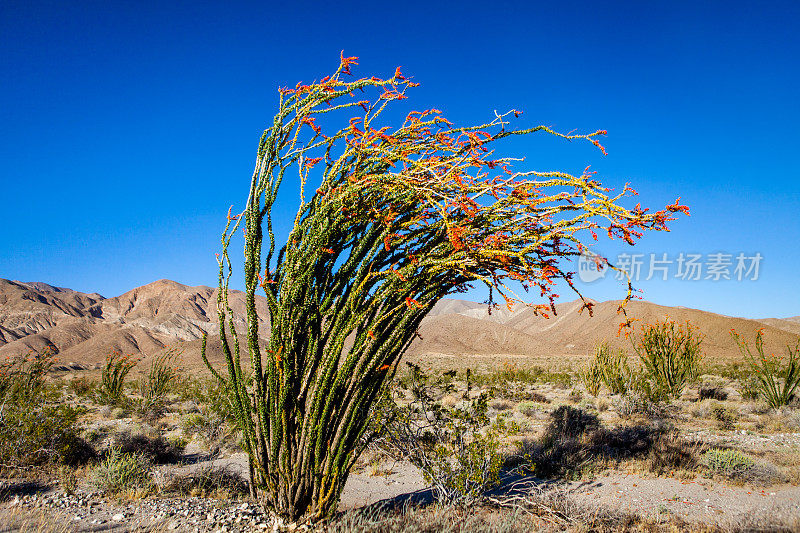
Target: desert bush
670,453
499,405
155,448
670,355
602,404
513,382
566,421
112,380
614,369
68,479
591,379
735,465
36,427
213,421
712,392
775,380
749,387
610,368
455,448
529,408
791,418
575,443
82,387
725,416
210,482
575,396
120,472
635,403
162,375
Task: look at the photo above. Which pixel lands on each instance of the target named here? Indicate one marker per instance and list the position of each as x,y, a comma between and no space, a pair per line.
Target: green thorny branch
399,220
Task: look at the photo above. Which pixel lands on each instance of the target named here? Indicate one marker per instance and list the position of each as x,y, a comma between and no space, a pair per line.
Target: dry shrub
82,387
575,443
210,482
670,453
713,392
432,518
636,404
497,405
156,449
725,416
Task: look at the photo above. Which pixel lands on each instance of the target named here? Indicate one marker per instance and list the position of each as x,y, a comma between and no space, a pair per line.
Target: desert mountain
84,327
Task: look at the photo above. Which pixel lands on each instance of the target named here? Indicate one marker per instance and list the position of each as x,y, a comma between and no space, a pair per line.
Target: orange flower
310,122
602,148
676,207
312,161
410,302
346,62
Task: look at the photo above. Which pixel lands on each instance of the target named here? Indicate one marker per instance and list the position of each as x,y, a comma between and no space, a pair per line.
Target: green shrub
112,381
510,377
591,378
528,408
613,368
736,466
120,472
36,428
670,354
455,448
774,380
728,463
159,381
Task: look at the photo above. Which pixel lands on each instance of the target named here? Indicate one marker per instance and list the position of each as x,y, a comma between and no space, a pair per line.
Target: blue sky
127,130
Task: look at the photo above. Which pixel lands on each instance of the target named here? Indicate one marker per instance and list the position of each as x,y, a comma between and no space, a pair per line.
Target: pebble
88,510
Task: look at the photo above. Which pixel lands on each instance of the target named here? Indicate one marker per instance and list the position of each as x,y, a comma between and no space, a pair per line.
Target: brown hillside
84,328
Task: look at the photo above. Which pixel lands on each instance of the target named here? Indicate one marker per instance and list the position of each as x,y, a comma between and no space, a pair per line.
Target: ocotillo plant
390,220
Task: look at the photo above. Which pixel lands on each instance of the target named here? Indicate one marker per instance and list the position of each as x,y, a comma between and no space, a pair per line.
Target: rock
118,517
